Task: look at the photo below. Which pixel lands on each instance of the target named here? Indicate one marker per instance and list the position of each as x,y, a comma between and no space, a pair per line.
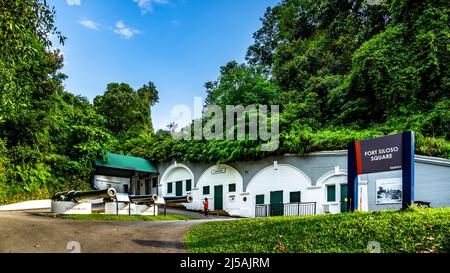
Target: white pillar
363,202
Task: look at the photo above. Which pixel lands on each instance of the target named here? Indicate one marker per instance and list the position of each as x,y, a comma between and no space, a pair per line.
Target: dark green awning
123,162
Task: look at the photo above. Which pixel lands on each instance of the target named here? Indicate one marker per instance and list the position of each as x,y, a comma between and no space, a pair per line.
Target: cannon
77,202
83,196
143,198
178,199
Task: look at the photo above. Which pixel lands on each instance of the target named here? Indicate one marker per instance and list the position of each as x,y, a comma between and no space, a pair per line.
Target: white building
289,185
282,185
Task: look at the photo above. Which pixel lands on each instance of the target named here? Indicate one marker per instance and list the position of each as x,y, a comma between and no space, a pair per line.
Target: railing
291,209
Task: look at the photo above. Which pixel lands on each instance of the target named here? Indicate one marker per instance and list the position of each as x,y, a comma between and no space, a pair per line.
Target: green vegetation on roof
124,162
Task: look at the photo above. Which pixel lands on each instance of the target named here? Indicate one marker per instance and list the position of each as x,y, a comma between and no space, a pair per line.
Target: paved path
194,214
27,232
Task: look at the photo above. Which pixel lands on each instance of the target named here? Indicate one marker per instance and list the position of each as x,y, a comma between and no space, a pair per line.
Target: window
155,182
232,188
188,185
169,188
295,197
331,193
205,190
260,200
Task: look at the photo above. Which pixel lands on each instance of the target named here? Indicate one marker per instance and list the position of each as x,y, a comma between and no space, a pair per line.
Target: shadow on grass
159,244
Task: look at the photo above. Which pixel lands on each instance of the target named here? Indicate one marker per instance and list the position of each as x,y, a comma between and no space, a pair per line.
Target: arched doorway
334,190
177,180
278,184
222,185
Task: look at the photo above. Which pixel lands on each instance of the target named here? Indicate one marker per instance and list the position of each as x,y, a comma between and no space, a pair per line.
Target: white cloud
88,24
125,31
147,5
73,2
175,23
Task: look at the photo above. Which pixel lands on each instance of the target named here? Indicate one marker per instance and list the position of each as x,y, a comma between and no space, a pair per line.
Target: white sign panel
122,197
389,191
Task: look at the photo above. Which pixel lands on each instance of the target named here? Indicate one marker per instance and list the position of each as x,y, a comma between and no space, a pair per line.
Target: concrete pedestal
132,209
62,207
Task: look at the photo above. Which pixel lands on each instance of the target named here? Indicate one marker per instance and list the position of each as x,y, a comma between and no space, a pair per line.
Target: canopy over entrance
123,166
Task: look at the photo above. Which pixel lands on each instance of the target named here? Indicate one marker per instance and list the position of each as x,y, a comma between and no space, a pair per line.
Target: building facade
126,174
288,183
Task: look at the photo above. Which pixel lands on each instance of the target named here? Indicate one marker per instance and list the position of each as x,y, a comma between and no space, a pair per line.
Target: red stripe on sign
358,157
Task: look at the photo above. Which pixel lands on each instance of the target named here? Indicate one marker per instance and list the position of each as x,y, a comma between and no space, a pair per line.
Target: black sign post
383,154
408,139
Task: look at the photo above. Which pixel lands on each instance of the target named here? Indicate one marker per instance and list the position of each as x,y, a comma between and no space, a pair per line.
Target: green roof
123,162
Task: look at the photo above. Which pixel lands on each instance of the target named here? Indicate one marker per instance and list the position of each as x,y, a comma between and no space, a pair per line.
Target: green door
218,197
276,203
179,188
343,198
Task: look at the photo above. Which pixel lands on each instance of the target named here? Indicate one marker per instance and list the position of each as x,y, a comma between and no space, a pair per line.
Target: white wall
175,173
102,182
215,176
337,178
277,177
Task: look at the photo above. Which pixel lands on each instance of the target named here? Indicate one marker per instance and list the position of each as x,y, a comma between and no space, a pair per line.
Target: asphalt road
25,232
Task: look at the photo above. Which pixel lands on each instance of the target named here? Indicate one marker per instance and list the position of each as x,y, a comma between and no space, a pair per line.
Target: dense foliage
127,112
340,70
411,231
49,138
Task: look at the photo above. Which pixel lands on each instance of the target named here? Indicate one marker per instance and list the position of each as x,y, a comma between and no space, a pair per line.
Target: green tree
340,70
48,137
27,69
127,112
403,70
308,47
240,84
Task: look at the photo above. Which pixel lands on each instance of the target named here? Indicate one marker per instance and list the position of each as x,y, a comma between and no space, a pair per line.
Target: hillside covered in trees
340,70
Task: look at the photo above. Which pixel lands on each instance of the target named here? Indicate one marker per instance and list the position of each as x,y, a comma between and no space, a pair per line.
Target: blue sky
177,44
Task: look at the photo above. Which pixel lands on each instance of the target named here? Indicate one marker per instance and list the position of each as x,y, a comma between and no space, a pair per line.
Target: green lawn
414,230
103,217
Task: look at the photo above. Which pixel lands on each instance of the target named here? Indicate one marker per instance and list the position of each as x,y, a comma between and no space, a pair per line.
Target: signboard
383,154
389,191
122,197
379,154
218,171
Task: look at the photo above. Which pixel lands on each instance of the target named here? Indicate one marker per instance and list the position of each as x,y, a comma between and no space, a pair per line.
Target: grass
104,217
411,231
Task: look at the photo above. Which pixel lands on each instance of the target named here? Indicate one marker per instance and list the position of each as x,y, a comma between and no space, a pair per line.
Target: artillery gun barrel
62,196
178,199
84,196
143,198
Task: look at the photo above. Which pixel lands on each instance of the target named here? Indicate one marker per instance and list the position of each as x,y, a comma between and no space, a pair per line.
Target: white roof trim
417,158
432,160
323,153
